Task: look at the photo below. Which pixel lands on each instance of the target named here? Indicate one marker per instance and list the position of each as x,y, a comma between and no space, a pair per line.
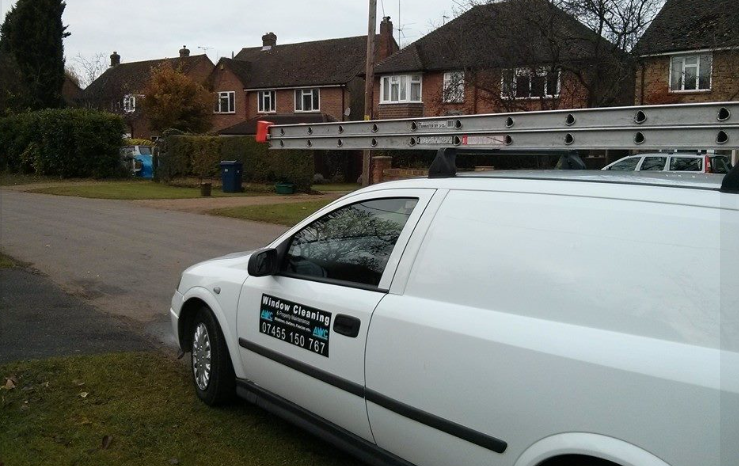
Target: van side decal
431,420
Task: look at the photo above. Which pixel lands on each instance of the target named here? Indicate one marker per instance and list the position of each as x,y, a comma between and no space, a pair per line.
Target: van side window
351,244
686,164
654,164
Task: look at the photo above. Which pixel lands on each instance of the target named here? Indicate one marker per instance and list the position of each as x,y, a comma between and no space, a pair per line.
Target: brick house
305,82
514,55
690,53
71,92
119,89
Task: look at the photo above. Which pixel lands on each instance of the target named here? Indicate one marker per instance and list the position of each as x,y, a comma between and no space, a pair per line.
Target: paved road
122,258
38,320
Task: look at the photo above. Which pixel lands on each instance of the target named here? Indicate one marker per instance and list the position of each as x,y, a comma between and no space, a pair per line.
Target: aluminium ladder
655,127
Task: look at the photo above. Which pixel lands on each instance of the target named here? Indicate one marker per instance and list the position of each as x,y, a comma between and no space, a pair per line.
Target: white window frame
129,103
397,80
231,96
452,90
697,66
272,99
542,72
307,91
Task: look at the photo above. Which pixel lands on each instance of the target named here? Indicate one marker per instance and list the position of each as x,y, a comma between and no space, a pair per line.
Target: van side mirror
263,263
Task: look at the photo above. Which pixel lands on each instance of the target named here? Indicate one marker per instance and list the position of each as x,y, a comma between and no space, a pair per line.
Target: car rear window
654,164
686,164
720,164
626,165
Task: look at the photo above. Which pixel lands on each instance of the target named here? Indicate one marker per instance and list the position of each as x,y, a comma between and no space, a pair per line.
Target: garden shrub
137,142
196,155
68,143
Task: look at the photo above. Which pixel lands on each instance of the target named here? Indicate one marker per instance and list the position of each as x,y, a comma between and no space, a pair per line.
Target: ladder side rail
630,117
618,138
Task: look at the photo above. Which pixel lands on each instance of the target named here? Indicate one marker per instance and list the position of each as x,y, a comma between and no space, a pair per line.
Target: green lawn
339,187
6,262
134,409
16,179
130,190
283,214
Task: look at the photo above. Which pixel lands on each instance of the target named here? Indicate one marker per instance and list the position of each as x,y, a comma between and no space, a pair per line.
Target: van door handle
347,325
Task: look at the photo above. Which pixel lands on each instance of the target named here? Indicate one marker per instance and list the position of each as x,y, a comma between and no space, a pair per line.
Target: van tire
577,460
210,362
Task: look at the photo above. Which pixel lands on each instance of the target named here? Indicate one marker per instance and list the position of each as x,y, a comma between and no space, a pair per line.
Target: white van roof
665,179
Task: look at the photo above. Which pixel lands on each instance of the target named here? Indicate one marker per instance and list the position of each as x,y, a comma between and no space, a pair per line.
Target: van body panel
573,309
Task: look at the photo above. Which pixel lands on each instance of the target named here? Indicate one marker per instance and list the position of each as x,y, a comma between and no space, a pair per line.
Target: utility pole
369,87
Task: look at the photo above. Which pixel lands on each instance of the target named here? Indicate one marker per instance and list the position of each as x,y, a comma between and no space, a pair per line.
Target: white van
517,319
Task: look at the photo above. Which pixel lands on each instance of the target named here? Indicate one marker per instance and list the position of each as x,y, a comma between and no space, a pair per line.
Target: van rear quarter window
614,264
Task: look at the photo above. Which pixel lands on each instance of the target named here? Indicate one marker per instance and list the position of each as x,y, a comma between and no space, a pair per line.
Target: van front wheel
212,369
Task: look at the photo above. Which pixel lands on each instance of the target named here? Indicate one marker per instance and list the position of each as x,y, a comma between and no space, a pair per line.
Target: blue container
231,175
145,166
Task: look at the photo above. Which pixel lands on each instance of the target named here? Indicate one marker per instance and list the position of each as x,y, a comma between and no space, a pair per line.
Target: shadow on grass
133,409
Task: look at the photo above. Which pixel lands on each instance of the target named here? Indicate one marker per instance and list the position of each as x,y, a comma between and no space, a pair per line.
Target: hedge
138,142
67,143
200,156
468,161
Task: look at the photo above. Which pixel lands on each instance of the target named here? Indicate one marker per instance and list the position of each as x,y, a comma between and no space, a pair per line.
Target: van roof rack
652,127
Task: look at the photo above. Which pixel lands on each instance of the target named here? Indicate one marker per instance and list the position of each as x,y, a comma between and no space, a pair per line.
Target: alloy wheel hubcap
201,356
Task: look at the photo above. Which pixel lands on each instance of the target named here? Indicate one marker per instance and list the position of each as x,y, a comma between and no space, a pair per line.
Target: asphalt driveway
38,320
121,258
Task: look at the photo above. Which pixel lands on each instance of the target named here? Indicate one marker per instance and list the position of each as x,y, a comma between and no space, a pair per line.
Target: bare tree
72,75
88,69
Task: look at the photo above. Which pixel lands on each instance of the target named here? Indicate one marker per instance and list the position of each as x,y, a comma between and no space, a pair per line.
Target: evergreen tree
32,37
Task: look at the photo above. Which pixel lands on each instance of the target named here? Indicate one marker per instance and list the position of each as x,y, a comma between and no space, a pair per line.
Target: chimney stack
269,40
386,44
184,52
115,59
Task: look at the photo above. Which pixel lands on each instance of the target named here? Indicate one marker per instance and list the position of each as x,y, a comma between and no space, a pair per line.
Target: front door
302,333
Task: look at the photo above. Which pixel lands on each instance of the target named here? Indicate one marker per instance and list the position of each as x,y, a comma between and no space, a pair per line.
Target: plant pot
205,189
285,188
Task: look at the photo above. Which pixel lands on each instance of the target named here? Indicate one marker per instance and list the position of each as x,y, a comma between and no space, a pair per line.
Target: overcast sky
148,29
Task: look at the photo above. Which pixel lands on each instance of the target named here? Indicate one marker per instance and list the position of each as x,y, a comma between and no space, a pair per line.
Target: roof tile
692,25
327,62
494,35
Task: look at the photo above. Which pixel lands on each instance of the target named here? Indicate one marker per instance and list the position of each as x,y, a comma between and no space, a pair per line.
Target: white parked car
528,319
677,162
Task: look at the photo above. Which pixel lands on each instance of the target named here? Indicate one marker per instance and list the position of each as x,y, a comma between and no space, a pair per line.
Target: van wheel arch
187,315
576,460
